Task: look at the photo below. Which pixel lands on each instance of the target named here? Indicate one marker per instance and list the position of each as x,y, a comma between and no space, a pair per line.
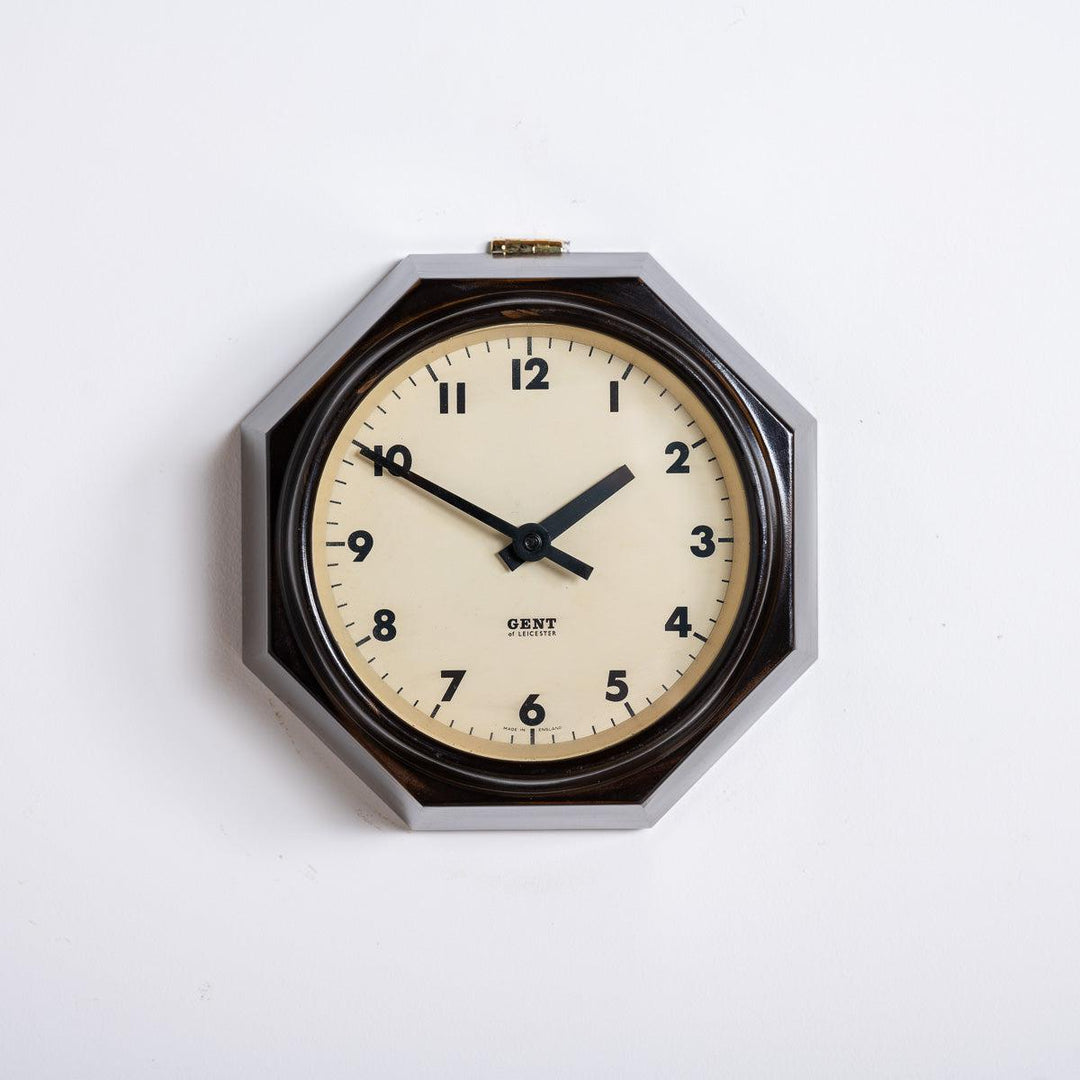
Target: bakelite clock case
424,299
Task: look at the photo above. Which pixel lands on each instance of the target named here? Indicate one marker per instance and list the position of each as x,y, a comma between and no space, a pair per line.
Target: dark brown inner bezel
594,304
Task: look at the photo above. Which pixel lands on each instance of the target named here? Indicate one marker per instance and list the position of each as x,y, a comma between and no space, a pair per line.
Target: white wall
879,200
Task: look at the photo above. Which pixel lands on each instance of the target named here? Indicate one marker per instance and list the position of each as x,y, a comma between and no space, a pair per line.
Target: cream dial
528,659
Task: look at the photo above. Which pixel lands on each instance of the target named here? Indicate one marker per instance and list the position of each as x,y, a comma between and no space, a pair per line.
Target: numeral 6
531,711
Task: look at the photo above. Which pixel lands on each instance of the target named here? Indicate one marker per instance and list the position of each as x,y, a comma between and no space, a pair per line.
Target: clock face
529,546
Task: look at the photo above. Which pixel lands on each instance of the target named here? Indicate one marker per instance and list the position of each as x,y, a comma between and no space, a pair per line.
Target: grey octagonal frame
256,539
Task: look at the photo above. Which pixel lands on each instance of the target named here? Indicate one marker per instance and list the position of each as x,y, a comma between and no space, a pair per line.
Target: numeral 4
679,622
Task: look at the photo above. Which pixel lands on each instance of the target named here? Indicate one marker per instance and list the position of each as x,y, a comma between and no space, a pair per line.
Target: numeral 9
360,543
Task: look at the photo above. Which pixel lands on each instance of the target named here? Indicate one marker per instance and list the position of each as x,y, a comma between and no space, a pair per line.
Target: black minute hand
492,521
575,509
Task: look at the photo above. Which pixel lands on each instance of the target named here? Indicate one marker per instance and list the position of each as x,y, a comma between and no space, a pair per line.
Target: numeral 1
444,398
398,459
534,363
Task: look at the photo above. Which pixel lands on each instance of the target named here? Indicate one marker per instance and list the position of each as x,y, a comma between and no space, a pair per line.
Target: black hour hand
570,514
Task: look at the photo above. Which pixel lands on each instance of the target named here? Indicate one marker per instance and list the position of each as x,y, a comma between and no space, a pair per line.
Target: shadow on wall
321,771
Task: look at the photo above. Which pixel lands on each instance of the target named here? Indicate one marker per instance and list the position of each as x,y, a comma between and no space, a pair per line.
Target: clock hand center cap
531,542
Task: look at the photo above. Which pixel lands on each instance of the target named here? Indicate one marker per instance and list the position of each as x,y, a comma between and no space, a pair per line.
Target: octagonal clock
529,540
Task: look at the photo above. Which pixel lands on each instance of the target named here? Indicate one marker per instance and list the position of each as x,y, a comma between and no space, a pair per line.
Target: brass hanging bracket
527,247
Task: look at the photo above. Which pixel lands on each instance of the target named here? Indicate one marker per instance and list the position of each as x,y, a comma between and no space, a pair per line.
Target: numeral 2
537,382
682,455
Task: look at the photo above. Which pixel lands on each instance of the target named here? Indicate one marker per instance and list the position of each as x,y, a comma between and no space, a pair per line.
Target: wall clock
529,539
